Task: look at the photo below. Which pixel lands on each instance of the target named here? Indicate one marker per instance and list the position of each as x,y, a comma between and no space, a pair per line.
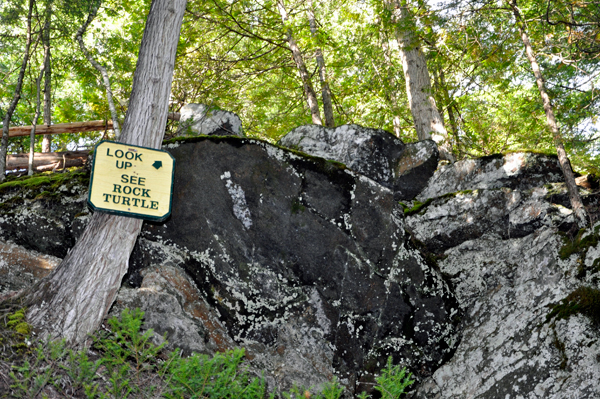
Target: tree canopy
235,55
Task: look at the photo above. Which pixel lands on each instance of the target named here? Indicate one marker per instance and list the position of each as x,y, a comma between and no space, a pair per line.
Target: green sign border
131,214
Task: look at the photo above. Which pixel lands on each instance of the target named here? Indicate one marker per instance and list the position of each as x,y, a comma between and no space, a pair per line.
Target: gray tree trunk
392,94
35,119
426,117
73,300
16,97
563,159
309,92
99,68
325,90
47,140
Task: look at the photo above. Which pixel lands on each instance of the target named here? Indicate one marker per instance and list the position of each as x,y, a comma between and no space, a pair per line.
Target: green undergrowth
584,300
49,181
123,362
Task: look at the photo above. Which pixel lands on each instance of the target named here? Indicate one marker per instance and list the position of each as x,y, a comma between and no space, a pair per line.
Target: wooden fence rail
47,160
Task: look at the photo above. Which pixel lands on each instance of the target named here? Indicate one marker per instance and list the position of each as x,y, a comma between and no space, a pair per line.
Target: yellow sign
131,181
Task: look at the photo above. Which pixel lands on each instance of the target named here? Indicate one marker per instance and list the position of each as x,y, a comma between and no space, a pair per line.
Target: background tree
235,55
325,90
563,159
16,96
47,140
427,119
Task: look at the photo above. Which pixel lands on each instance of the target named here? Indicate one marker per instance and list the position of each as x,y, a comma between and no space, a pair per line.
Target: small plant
393,381
200,376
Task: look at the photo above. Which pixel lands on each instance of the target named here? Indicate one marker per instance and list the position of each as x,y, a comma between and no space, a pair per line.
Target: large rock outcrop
302,261
498,241
318,271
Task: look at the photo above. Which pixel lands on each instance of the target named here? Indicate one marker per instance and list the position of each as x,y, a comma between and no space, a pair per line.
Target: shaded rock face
207,120
374,153
450,220
305,263
45,218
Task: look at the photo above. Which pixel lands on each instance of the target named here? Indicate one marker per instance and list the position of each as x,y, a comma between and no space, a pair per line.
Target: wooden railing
58,160
74,127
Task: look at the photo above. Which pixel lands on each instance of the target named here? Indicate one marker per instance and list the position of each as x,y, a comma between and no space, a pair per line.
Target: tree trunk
73,300
325,90
563,159
311,97
16,97
47,140
426,117
34,121
99,68
392,94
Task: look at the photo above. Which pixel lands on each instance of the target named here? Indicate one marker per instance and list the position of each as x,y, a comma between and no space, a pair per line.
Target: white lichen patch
240,207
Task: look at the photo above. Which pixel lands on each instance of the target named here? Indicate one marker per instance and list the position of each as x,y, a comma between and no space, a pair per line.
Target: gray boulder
519,170
374,153
207,120
45,214
450,220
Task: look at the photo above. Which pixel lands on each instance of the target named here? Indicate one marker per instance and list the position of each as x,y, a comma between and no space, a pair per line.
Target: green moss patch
417,206
297,206
15,333
579,244
47,182
584,300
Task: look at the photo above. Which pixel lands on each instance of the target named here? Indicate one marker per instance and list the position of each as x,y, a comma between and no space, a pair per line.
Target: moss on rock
49,181
580,243
584,300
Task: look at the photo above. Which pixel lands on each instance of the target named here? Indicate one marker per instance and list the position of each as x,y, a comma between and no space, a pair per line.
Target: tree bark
325,90
73,300
309,92
99,68
426,117
47,140
392,94
16,97
34,121
565,165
